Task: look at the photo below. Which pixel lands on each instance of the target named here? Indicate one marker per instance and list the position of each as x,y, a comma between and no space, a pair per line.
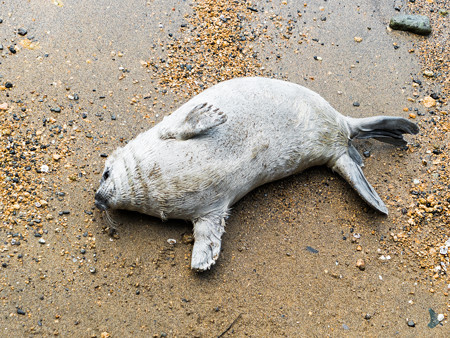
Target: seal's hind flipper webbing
198,121
352,173
387,129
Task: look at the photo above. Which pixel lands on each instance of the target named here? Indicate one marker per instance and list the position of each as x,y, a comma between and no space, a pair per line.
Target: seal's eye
106,175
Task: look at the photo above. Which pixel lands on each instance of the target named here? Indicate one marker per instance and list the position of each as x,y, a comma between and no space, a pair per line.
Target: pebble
428,73
384,258
187,239
311,249
8,85
92,270
418,24
345,327
366,153
44,168
55,110
12,49
443,250
367,316
22,31
361,264
411,323
429,102
172,241
41,241
20,312
356,104
440,317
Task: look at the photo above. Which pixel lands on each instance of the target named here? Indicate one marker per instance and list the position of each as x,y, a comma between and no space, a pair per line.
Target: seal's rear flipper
387,129
198,121
208,232
353,174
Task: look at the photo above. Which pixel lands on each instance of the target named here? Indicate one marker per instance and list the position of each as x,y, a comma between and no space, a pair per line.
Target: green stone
418,24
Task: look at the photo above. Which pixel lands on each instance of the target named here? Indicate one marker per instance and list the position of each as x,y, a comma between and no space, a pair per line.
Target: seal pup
230,139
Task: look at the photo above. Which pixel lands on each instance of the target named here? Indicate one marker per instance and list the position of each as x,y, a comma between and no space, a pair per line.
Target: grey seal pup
230,139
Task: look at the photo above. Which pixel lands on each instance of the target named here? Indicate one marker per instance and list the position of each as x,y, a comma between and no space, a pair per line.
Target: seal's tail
387,129
383,128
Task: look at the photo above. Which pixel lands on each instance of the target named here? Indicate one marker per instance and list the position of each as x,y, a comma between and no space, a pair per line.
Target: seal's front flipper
198,121
208,232
351,171
387,129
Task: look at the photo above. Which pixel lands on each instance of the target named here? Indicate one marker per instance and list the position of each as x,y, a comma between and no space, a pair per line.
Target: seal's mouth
101,206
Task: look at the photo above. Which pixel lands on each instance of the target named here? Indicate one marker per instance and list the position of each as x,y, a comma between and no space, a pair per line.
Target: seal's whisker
111,221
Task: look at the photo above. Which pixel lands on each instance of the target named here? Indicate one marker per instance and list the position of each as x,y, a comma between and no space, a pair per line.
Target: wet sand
102,73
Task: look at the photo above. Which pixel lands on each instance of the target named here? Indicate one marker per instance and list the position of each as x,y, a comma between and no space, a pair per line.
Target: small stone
44,168
428,73
418,24
361,264
356,104
358,39
12,49
312,250
443,250
92,270
41,241
22,31
440,317
429,102
345,327
20,312
187,239
366,153
367,316
55,110
56,157
411,323
435,96
8,85
172,241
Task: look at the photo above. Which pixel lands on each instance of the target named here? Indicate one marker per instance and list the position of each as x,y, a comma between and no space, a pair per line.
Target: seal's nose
100,201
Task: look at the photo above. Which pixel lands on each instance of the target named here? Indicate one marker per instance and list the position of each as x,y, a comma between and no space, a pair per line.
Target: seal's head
108,195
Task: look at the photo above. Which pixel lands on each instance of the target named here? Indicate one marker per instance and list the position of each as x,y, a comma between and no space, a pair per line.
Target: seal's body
226,141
